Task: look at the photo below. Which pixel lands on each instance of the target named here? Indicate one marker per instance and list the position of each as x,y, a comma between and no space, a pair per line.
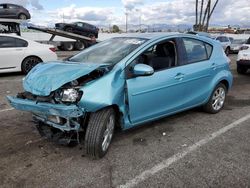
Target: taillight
244,47
53,49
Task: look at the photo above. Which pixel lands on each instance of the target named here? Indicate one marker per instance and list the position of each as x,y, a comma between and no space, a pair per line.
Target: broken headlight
69,95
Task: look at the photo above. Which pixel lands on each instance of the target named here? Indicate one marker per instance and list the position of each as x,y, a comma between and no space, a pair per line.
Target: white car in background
225,42
243,59
19,54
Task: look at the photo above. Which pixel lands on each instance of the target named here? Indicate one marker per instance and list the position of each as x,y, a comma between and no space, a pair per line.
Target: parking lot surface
190,149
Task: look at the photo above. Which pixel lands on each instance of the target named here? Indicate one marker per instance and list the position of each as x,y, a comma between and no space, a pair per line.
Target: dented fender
104,92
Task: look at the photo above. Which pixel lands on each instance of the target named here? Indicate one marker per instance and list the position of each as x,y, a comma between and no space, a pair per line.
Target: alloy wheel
218,98
108,133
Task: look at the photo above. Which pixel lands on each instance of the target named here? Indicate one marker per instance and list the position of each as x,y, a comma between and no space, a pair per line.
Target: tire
91,35
241,69
68,46
227,51
79,45
28,63
68,29
22,16
219,94
99,133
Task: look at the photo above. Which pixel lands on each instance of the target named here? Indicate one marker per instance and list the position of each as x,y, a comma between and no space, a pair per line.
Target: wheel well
67,27
21,14
32,56
118,114
225,82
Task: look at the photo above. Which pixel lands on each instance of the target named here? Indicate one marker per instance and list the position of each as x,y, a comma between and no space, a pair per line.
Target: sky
148,12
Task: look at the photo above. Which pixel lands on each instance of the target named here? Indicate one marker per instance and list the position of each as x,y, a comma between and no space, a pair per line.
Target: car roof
155,36
10,35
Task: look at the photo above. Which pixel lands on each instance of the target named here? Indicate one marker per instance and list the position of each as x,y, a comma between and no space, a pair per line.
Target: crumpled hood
47,77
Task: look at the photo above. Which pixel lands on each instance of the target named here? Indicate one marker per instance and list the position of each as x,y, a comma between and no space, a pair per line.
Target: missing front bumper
66,111
44,112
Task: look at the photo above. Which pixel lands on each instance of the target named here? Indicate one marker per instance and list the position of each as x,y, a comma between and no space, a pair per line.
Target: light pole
138,10
126,14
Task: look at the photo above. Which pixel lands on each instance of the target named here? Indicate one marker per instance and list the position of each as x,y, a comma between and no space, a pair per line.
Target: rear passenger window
197,50
11,42
21,43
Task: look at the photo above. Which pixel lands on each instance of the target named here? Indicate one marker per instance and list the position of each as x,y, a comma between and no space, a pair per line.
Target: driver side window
159,56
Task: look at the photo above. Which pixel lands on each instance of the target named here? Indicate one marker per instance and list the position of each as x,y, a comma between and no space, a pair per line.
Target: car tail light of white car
53,49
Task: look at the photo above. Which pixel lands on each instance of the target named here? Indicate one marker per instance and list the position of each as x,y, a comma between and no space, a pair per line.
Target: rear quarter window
11,42
21,43
197,50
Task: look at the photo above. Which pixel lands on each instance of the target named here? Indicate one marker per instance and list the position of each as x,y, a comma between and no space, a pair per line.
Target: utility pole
139,12
126,13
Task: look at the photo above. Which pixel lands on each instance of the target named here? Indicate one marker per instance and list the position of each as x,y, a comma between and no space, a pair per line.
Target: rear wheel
227,51
217,99
69,29
22,17
28,63
79,45
99,132
68,46
241,69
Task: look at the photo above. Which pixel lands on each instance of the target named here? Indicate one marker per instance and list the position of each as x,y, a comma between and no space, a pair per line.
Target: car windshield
110,51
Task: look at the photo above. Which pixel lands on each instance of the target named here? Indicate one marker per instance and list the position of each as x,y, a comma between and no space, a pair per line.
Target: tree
115,29
200,19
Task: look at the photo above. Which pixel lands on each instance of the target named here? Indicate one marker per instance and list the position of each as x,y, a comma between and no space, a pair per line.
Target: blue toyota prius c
124,81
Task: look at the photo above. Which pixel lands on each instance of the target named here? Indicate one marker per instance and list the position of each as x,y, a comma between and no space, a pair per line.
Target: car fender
221,76
107,91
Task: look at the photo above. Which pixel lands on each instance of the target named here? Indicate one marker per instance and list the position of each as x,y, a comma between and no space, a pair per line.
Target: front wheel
99,132
217,99
22,17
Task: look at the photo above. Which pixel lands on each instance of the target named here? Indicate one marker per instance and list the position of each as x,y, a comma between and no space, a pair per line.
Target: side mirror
143,70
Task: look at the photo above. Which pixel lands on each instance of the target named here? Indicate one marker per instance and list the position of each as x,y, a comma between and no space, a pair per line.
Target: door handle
19,49
214,66
179,76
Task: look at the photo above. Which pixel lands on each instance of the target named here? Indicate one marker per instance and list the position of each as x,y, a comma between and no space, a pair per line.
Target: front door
151,97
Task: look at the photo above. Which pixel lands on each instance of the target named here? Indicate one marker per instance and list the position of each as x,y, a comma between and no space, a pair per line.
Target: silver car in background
236,45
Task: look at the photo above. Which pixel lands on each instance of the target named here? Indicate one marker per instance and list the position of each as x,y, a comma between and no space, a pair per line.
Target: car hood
47,77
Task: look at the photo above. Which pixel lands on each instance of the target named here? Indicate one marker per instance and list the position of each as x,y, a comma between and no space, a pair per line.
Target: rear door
13,10
199,71
12,51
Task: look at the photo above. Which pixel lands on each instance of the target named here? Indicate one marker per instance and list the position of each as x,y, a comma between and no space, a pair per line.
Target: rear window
197,50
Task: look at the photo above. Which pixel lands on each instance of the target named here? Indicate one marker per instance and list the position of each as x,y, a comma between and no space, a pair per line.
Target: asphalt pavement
189,149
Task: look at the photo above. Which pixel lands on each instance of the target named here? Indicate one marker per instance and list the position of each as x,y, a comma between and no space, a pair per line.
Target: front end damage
59,122
55,104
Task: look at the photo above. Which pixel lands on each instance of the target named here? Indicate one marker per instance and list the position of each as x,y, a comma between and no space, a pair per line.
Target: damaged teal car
124,82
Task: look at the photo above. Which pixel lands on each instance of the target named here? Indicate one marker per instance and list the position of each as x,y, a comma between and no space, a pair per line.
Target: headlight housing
70,95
